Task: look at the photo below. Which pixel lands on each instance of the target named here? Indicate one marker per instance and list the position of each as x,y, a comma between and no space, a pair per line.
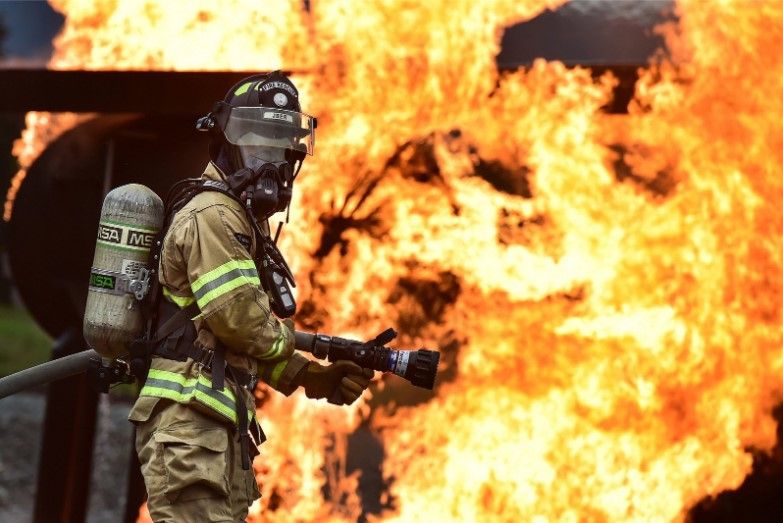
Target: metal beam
151,92
166,92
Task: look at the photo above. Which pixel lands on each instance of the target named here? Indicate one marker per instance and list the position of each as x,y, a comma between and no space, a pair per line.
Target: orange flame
614,337
41,129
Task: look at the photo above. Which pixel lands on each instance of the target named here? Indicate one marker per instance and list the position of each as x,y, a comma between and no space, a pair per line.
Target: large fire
607,290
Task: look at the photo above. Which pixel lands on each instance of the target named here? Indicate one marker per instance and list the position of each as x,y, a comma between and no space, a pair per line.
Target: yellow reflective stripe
185,397
242,89
225,405
174,386
211,402
158,392
276,349
224,279
220,271
227,287
277,371
180,301
168,375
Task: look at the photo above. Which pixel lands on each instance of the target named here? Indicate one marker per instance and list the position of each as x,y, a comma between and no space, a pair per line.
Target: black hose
304,341
76,363
46,372
321,346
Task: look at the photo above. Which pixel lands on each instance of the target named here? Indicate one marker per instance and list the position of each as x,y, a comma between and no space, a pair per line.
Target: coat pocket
195,462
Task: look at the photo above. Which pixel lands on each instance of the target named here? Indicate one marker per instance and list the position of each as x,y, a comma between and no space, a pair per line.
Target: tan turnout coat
186,432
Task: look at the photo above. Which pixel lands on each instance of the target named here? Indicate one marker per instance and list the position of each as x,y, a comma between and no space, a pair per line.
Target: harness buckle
140,286
206,359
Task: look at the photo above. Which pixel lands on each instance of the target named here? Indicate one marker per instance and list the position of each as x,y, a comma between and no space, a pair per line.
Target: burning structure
606,289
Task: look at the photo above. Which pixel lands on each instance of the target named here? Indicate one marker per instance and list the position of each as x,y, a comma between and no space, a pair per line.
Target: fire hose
47,372
417,366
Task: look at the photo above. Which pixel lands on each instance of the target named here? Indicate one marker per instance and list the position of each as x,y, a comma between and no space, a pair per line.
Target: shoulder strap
176,322
179,195
141,350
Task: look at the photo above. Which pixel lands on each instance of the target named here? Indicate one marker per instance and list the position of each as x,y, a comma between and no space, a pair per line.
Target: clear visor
263,126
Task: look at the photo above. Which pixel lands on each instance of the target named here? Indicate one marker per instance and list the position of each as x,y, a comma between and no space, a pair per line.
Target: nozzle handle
384,337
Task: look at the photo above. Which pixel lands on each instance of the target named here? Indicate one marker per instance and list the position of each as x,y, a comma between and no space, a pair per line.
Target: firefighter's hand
342,382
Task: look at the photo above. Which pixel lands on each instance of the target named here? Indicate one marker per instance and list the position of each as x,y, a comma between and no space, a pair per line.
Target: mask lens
255,156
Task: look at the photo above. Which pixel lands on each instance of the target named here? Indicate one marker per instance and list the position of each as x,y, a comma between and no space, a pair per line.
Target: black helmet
268,90
261,110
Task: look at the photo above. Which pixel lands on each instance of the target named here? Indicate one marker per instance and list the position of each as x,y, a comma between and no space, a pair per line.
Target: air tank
131,218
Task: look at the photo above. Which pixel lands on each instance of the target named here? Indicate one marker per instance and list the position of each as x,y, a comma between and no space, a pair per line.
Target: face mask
265,179
272,189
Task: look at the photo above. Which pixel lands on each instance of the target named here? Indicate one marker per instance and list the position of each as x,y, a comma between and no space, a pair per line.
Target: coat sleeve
284,376
224,282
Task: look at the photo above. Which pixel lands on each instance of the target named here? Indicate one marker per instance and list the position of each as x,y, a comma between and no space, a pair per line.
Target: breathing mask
265,180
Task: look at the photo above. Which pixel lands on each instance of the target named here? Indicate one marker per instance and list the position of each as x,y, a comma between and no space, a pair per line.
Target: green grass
22,342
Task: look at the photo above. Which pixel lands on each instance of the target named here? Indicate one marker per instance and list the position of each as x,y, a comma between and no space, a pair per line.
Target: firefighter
225,286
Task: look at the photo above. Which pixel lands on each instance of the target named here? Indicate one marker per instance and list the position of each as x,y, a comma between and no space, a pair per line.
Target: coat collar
213,172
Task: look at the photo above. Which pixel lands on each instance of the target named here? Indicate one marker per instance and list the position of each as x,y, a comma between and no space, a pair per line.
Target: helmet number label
271,115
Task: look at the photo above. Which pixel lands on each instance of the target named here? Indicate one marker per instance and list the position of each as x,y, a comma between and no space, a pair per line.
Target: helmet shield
268,127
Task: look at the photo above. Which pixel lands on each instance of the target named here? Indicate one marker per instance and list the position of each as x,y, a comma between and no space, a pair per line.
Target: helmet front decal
280,99
243,88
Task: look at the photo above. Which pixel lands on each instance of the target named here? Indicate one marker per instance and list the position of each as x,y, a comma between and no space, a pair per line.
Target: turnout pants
192,467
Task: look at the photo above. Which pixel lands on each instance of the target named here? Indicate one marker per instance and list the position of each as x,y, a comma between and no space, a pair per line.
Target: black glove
342,382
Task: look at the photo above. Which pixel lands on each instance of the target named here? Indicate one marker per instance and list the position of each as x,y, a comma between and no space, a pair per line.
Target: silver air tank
131,217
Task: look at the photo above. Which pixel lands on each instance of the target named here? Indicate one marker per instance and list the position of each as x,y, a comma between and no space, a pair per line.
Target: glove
342,382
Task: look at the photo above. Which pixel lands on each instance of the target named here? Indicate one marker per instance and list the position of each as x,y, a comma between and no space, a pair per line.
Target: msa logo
102,281
140,239
109,234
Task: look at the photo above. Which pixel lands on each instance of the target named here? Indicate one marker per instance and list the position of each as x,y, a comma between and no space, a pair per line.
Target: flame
41,129
606,290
